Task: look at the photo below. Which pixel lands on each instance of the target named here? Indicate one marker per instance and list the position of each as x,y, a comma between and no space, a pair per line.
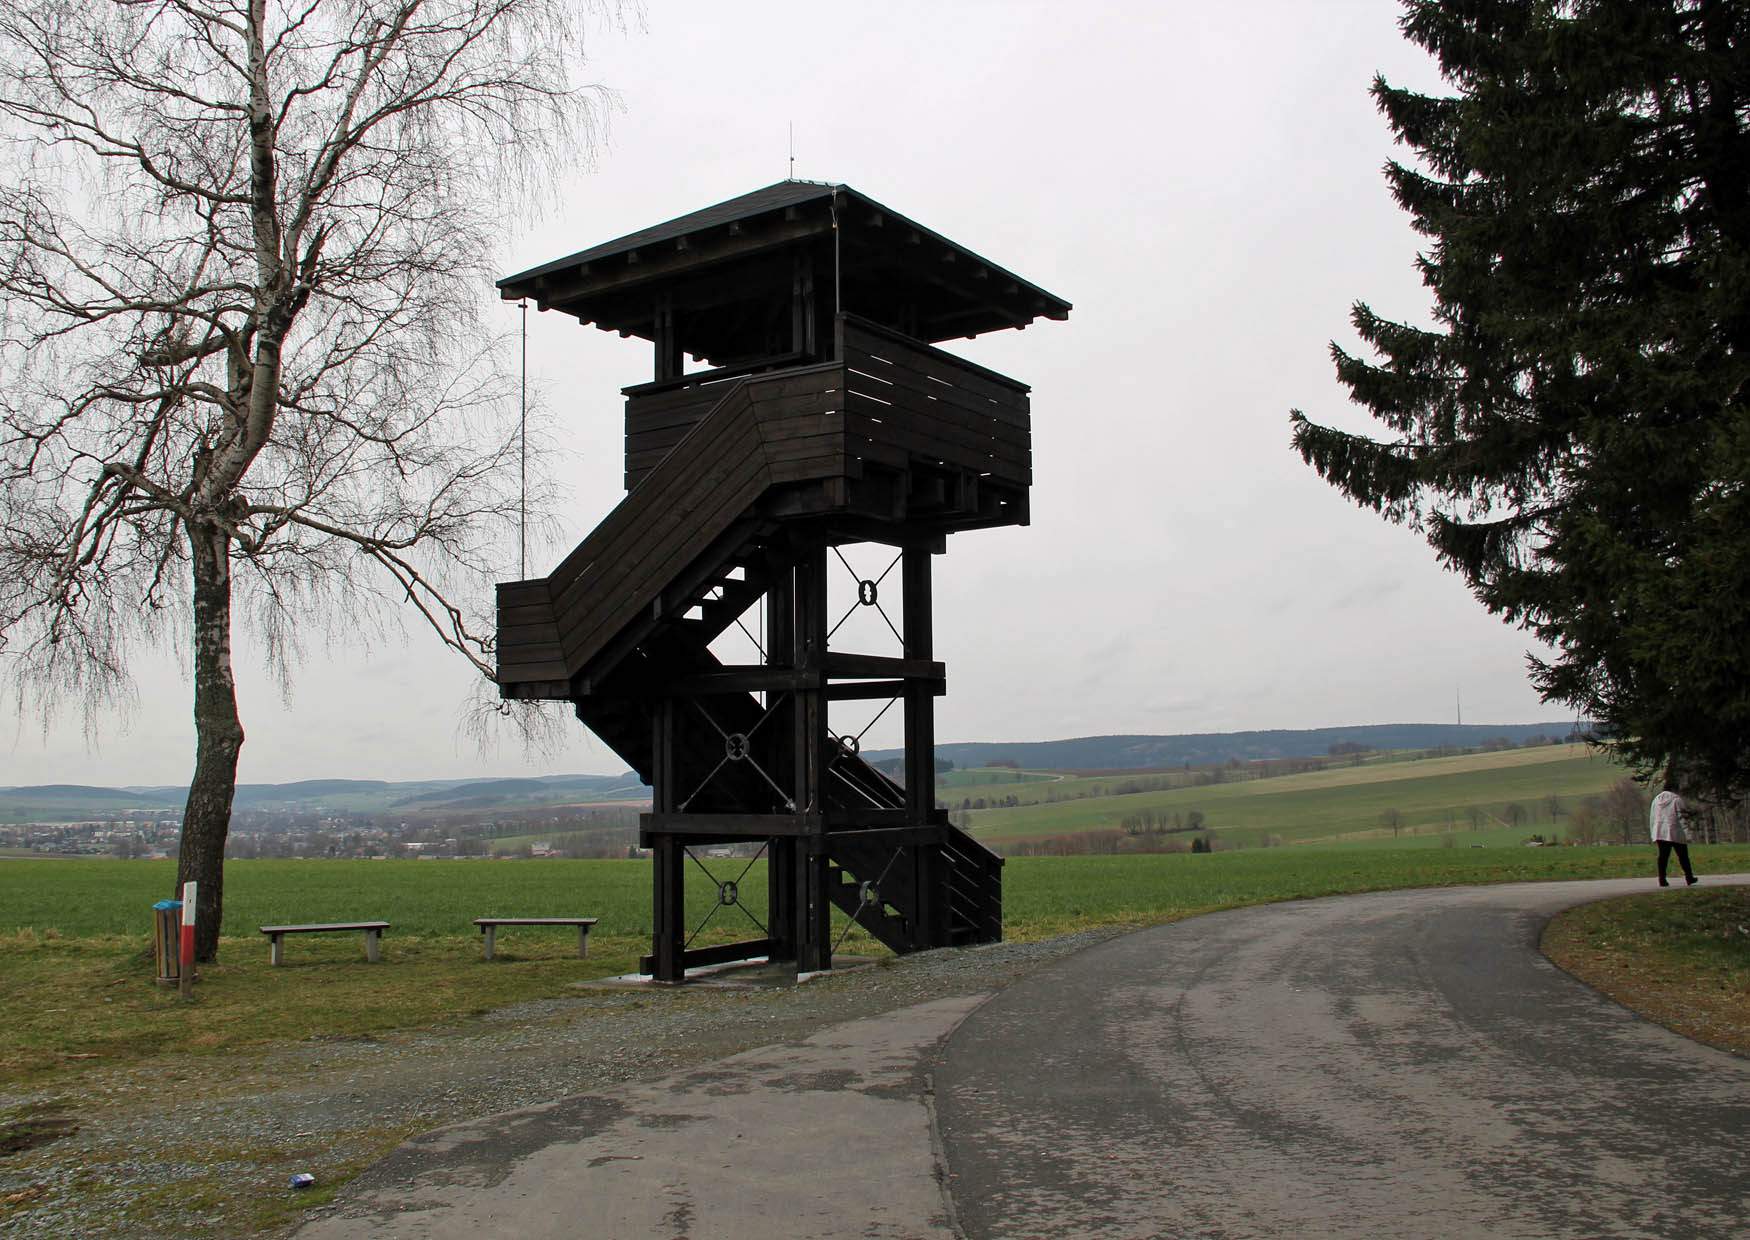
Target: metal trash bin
167,941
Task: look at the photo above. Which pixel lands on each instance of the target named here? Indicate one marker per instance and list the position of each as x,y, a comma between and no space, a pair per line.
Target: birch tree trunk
206,819
245,255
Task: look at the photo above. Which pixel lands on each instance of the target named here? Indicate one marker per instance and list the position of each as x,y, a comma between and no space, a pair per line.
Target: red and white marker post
185,968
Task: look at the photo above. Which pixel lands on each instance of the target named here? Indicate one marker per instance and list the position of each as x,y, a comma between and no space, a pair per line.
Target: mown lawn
1680,956
76,979
76,973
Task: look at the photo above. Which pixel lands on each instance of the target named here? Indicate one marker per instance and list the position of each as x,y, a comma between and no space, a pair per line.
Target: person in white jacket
1666,824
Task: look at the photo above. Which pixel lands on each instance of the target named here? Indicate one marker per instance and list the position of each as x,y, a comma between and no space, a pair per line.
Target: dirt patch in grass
1680,957
25,1128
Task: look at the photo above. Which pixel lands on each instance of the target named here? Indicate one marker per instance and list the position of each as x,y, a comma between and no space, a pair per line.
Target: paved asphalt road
1400,1064
826,1138
1397,1065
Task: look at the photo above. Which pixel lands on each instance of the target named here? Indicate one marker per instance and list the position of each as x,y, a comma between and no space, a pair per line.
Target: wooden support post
667,876
670,358
808,643
490,932
812,909
781,916
781,653
929,871
667,859
665,796
781,897
920,699
802,316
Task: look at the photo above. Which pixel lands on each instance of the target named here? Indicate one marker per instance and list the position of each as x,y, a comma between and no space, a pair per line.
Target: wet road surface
1404,1064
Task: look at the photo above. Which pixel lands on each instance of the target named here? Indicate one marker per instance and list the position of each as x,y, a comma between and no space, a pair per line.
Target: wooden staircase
875,884
765,473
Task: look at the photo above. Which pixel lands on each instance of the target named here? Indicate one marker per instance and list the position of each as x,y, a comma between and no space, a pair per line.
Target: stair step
893,932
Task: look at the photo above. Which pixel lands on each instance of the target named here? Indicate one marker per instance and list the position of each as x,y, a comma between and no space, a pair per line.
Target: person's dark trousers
1666,847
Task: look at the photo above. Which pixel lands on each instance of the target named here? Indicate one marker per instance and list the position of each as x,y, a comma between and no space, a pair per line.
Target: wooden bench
489,927
373,931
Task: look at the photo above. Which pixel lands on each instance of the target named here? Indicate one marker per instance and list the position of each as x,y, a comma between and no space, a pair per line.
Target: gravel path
216,1162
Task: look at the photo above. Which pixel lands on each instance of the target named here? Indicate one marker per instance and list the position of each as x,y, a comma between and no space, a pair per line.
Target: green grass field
504,845
971,783
73,934
1683,962
75,979
423,899
1342,803
988,778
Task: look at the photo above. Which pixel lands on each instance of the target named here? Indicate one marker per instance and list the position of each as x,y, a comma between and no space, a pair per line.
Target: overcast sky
1201,181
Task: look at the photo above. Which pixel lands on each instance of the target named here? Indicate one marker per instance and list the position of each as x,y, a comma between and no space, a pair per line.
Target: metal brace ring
728,893
851,745
869,893
867,592
735,746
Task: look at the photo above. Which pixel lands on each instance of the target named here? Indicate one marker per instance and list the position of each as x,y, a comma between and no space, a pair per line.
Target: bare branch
245,247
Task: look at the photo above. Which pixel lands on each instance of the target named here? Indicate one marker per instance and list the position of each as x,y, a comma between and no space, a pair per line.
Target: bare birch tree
244,248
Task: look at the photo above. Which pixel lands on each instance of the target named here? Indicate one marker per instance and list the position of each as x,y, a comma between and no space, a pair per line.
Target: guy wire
523,450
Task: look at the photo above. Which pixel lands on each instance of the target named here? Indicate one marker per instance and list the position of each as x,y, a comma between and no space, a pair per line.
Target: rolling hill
1113,753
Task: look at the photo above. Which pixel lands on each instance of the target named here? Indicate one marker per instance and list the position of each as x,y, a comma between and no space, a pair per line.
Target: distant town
597,816
554,816
602,831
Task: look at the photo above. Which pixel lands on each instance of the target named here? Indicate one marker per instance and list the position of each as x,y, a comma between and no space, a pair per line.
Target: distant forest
1130,753
50,802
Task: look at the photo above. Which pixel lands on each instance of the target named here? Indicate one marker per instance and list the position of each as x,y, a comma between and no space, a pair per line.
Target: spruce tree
1572,434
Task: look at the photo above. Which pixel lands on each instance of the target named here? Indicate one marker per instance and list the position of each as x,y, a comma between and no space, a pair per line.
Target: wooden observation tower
826,419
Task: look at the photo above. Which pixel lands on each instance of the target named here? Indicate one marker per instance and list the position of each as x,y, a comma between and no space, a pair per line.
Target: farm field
74,934
1050,786
987,778
1341,804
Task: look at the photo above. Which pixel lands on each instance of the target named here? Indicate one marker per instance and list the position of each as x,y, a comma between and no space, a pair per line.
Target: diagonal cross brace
737,747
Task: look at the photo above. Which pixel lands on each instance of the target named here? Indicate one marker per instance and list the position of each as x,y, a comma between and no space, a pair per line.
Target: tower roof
882,260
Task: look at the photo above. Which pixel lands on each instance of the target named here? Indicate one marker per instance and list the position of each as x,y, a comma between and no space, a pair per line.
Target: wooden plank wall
528,638
656,530
783,427
908,400
657,421
915,401
696,471
801,420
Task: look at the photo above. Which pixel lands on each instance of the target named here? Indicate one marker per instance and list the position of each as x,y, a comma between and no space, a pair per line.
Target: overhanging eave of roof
786,214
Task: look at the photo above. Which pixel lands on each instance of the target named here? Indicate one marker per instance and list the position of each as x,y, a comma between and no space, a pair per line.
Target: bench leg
373,946
582,942
489,932
276,952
